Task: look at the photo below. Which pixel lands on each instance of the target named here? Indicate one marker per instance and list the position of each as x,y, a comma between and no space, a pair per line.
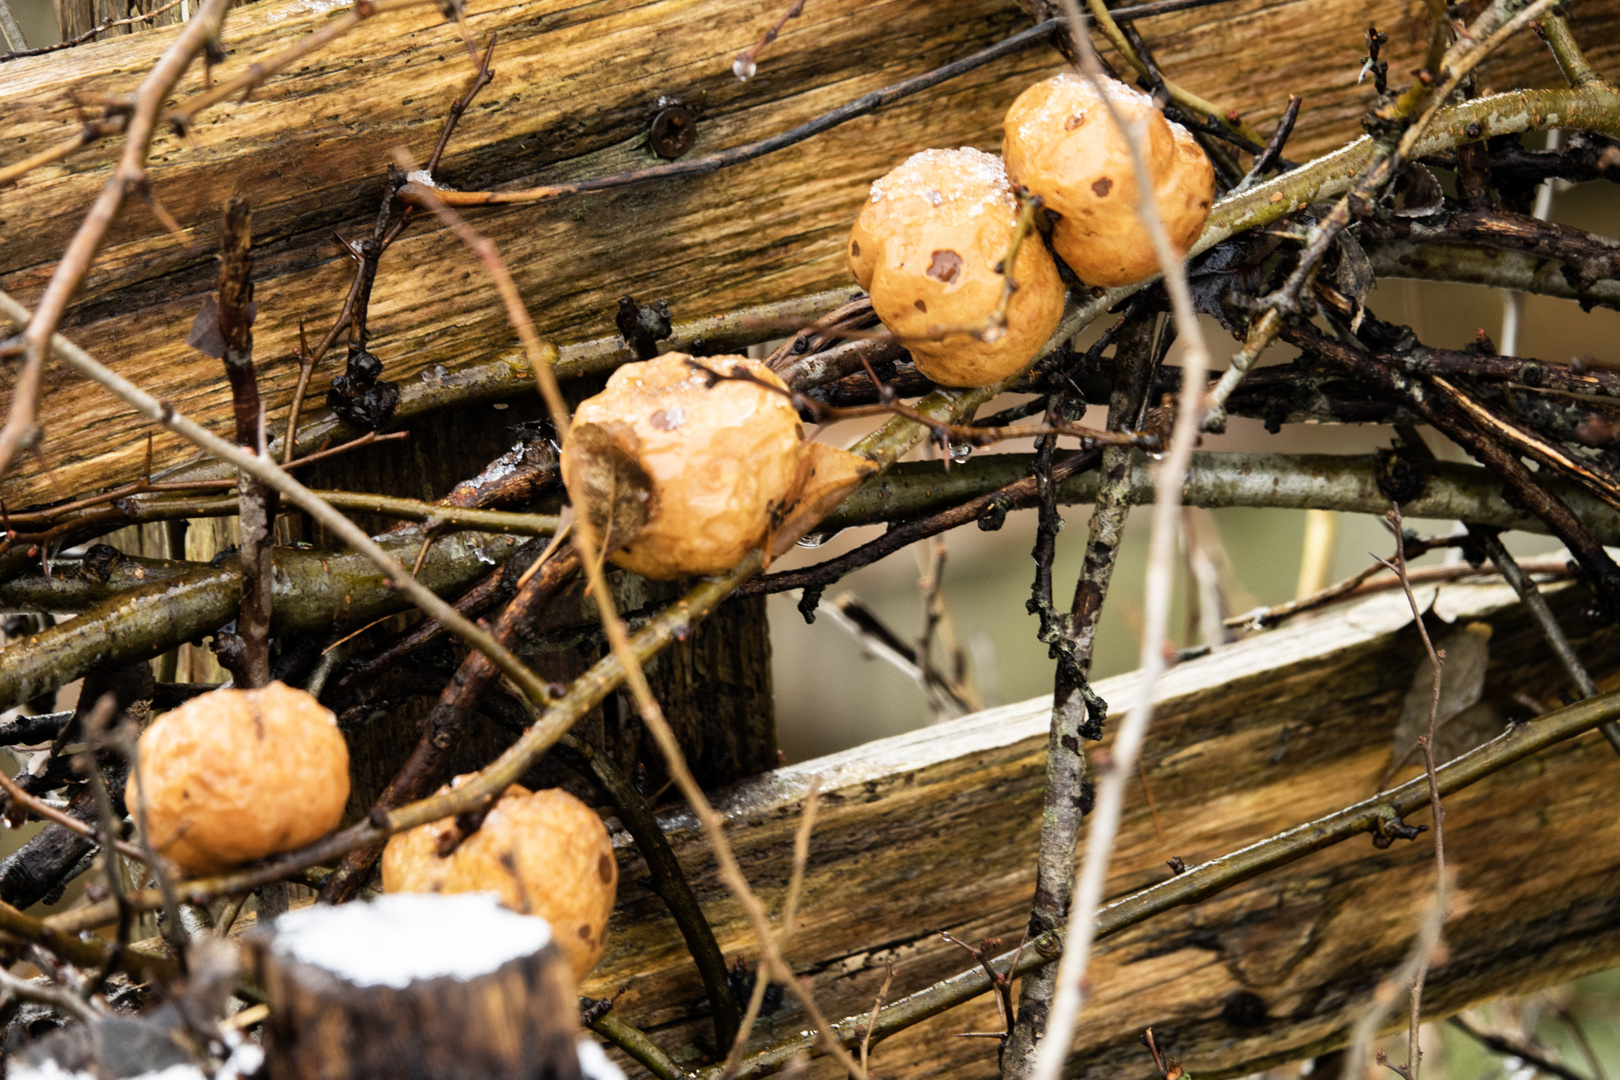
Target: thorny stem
258,504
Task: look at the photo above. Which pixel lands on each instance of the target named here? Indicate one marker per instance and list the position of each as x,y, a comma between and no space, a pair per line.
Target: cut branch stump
416,987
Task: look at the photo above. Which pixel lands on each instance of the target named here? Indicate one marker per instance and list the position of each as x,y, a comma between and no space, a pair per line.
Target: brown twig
989,509
589,543
877,1003
420,193
424,769
46,812
1360,584
790,906
20,430
747,62
264,469
1279,138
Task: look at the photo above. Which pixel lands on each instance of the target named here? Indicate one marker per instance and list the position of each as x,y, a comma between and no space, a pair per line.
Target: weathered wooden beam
576,88
936,830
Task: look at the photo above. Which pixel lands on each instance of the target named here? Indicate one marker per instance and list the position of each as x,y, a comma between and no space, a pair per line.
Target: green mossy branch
173,603
1348,483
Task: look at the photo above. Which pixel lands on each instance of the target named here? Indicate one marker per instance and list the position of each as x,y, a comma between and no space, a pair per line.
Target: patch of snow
594,1063
50,1070
398,939
245,1060
969,179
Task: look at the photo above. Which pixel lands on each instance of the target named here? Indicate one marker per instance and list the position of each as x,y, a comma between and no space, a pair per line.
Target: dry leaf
617,492
826,477
1462,682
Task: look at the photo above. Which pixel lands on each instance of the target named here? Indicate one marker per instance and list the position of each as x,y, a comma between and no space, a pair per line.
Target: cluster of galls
930,242
684,467
233,776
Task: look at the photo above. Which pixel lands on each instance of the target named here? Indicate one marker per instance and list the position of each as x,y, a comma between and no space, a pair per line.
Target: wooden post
416,986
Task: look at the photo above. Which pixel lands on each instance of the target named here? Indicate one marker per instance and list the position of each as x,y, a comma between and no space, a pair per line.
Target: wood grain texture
576,86
937,830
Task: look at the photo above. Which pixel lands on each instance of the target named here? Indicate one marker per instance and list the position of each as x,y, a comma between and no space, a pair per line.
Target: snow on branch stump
418,987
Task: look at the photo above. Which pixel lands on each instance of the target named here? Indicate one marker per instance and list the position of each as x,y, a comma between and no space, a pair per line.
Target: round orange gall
720,457
543,853
1060,142
927,247
236,775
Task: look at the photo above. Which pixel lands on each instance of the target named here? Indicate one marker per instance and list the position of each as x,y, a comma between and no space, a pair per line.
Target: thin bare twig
790,907
1053,1049
702,166
589,543
20,430
1510,1047
877,1003
267,470
747,62
46,812
1414,1056
55,997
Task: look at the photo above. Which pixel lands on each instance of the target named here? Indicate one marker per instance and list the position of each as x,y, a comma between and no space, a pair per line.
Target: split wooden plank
937,830
576,87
